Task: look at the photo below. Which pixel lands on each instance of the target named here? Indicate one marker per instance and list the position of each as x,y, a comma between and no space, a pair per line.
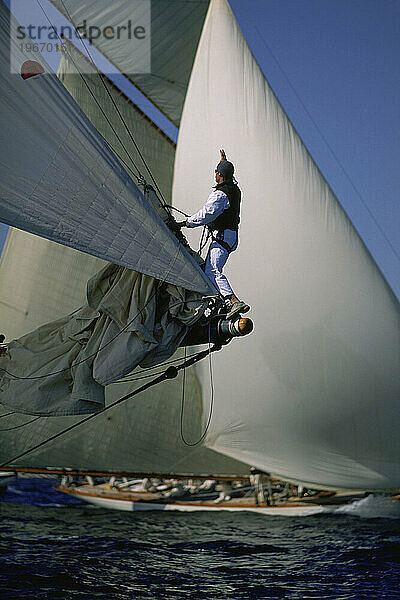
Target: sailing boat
314,399
147,438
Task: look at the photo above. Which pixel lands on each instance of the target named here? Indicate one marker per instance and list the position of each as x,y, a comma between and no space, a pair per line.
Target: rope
203,435
8,414
177,210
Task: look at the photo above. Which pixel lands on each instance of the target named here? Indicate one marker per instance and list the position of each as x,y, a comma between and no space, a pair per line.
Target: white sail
60,180
313,394
175,31
40,280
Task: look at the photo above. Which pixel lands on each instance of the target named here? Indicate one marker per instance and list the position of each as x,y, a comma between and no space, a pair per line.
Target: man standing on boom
221,213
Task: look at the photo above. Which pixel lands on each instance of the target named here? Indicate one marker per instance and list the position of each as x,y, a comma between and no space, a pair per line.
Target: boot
236,307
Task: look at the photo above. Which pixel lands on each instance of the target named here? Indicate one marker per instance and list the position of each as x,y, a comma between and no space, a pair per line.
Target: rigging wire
119,112
358,194
139,377
203,435
167,362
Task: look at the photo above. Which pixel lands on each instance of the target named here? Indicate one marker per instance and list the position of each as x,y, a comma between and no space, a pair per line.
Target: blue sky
334,66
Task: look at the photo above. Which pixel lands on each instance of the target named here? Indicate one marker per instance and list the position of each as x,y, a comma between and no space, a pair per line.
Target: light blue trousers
216,259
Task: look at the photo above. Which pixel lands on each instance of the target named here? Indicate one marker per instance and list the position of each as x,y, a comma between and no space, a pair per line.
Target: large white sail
313,394
60,180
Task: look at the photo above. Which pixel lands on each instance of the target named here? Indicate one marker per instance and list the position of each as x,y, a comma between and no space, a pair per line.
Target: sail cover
60,180
175,31
313,394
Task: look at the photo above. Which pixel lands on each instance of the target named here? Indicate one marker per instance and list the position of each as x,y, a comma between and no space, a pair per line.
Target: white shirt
216,204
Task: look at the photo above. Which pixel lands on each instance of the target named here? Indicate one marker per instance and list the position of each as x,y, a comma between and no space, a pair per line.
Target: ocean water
55,547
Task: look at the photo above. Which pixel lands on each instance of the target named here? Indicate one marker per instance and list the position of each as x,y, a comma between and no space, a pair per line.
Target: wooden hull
147,501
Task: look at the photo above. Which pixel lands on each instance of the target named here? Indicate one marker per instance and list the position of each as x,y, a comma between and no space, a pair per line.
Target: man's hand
223,155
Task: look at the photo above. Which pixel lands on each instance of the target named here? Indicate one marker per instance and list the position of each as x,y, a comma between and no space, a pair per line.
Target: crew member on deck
221,213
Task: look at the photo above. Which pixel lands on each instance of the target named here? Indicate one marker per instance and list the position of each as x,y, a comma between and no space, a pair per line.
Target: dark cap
225,168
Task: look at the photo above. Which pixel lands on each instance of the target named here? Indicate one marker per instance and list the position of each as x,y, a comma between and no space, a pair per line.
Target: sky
334,66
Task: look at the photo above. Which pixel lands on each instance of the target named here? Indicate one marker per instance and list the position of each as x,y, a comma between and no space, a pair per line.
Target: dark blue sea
54,547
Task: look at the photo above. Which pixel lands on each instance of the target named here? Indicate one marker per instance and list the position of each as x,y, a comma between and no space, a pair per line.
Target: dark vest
230,218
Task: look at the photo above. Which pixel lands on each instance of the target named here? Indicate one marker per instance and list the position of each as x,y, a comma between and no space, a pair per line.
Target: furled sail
175,31
41,280
129,320
60,180
313,394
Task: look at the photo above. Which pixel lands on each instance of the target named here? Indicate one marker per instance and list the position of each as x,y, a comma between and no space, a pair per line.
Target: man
257,483
221,213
